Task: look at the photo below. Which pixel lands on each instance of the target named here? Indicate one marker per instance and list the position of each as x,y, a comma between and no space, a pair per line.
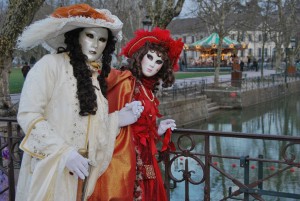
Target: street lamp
286,64
147,23
185,48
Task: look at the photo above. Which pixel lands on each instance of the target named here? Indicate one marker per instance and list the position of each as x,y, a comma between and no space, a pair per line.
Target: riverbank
207,79
253,90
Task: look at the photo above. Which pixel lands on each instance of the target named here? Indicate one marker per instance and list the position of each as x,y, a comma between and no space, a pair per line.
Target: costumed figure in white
63,108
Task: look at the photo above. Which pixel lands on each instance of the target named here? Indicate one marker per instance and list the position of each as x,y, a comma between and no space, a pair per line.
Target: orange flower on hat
80,10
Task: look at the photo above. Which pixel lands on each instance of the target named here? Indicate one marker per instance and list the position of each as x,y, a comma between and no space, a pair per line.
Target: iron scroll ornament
186,152
291,160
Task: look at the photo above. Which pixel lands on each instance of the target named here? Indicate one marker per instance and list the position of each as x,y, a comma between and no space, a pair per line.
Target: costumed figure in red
152,58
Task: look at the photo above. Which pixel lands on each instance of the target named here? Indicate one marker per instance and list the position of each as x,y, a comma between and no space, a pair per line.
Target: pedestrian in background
248,62
242,65
255,65
25,69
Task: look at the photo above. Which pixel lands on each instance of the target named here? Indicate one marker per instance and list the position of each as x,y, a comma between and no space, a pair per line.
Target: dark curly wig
165,73
85,89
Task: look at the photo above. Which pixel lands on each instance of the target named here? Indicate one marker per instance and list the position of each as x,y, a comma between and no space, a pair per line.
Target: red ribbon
167,143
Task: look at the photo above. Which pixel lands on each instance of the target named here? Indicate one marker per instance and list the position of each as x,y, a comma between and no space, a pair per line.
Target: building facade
192,30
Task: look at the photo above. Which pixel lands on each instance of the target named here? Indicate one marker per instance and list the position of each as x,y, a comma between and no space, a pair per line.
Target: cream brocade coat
48,114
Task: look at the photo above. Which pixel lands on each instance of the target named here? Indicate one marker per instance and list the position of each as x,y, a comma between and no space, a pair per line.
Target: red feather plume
159,36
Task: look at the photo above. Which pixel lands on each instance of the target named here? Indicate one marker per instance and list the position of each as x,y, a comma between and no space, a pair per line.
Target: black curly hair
85,89
165,73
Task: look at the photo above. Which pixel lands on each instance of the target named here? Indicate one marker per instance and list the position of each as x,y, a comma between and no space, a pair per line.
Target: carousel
207,47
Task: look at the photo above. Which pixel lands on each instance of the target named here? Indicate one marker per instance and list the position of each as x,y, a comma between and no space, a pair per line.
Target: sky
189,9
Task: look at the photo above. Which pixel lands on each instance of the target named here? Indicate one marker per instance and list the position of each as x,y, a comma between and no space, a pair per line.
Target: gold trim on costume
146,37
150,173
150,99
26,137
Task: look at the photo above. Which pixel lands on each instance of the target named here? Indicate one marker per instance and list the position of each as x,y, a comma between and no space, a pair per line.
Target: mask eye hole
159,62
150,57
102,40
89,35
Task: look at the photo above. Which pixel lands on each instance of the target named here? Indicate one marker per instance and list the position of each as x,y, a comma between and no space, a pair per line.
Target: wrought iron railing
187,142
192,88
182,90
251,83
243,187
10,160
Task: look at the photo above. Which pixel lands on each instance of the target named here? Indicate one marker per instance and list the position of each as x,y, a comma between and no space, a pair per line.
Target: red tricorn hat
158,36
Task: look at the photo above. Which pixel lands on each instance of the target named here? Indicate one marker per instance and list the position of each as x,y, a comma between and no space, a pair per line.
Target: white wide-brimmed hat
50,32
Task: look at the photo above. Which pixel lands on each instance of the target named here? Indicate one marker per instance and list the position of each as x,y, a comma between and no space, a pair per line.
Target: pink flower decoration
215,163
233,94
272,168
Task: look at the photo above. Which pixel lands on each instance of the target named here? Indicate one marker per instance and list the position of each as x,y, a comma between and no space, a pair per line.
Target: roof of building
181,26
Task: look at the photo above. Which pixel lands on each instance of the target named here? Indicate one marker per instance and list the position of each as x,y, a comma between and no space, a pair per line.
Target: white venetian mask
151,63
93,42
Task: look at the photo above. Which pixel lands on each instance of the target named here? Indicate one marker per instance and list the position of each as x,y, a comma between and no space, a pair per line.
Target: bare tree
132,13
283,27
19,14
267,8
222,16
162,12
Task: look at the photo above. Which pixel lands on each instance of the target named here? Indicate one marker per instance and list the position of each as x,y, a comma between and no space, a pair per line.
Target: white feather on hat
50,32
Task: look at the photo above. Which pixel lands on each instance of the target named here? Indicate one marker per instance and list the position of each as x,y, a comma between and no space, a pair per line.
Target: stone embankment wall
240,99
253,97
185,112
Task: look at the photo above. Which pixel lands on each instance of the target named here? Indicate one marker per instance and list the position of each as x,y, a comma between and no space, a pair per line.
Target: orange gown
117,182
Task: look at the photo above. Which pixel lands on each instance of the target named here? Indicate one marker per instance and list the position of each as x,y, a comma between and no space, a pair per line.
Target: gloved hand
164,125
130,113
77,164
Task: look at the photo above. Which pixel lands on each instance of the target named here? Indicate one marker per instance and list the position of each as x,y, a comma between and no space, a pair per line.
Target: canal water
277,117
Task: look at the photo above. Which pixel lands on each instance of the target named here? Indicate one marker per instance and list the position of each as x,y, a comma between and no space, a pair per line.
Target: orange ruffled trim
83,10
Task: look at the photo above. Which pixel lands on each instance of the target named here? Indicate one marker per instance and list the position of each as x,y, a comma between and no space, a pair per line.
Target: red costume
133,173
149,183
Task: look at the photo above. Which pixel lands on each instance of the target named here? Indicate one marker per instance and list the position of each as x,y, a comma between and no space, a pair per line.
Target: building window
250,37
266,52
243,36
259,37
250,51
233,37
193,39
274,52
259,52
184,39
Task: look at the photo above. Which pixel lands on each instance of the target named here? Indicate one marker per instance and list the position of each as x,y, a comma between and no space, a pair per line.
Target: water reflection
278,117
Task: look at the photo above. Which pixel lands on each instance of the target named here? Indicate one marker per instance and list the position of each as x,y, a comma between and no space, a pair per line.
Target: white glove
164,125
77,164
130,113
